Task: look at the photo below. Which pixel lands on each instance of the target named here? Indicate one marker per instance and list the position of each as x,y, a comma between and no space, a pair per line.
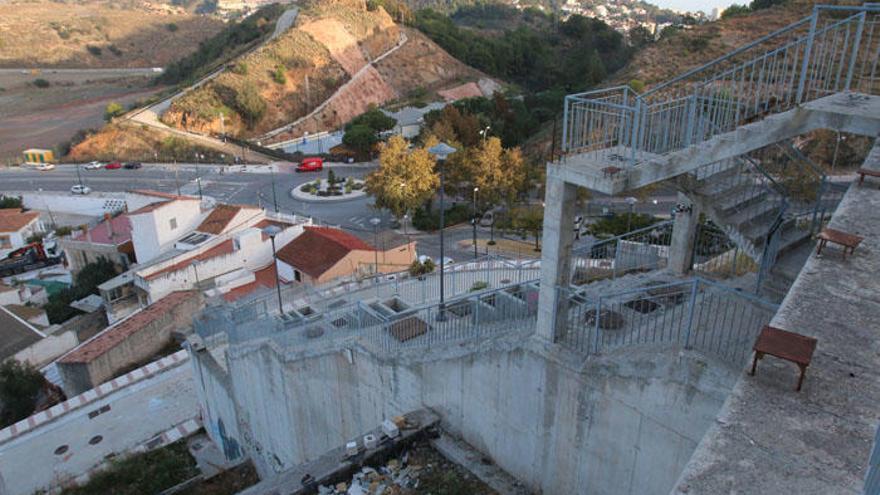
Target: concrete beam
846,112
559,213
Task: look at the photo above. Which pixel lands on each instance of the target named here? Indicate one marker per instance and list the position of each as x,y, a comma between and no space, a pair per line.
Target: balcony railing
833,50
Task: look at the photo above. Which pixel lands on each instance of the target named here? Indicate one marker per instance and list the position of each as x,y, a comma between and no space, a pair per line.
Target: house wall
152,232
252,253
79,254
137,347
10,297
46,350
19,238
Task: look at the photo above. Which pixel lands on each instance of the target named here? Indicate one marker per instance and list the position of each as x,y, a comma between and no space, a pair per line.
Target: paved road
143,71
240,188
256,189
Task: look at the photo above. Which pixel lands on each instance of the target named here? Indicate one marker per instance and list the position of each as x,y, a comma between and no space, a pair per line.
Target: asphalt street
255,188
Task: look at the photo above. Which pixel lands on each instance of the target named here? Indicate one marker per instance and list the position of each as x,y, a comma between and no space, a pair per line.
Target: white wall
46,350
19,238
151,232
252,253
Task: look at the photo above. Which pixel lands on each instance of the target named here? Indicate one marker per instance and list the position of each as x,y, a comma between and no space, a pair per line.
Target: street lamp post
375,222
273,231
632,209
484,133
474,221
442,151
199,182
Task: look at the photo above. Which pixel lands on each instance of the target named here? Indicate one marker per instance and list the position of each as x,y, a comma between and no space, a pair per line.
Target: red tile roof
159,194
117,232
219,218
113,336
317,249
14,219
265,277
221,249
150,207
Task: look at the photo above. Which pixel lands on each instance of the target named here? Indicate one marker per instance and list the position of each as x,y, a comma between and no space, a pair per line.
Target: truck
30,257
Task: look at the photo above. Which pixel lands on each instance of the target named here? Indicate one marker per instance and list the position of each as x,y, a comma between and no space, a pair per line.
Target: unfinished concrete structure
616,371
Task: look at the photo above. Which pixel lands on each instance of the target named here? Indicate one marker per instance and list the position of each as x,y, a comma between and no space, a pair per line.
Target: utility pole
442,151
474,221
79,176
274,197
177,177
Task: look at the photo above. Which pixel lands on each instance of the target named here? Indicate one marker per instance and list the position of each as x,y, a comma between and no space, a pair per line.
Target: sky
694,5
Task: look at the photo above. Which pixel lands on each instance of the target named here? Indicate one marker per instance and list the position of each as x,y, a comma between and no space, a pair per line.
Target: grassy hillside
98,33
289,78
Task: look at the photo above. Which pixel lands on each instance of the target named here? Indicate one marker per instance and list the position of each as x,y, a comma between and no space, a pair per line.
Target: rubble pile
420,470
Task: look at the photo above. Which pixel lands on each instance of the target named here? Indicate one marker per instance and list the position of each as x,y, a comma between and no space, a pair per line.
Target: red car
113,166
311,164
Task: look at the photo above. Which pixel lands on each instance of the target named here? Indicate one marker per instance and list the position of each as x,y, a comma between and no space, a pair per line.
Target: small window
172,223
297,276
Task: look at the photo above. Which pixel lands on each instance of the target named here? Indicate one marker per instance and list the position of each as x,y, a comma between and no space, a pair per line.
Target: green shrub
20,385
112,111
41,83
479,285
430,220
171,27
637,85
240,68
280,76
94,50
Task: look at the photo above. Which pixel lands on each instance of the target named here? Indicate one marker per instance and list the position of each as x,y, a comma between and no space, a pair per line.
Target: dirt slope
46,33
325,56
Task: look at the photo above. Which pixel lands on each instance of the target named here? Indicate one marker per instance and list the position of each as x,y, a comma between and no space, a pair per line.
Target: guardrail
814,57
694,314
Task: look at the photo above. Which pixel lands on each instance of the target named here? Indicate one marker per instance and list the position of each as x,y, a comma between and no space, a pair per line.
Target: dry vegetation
98,33
130,141
687,49
294,74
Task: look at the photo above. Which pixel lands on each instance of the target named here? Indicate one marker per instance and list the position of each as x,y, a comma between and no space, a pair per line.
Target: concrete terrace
769,438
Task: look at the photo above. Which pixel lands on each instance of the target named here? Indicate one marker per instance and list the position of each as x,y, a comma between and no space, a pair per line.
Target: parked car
311,164
79,189
44,167
93,166
133,165
113,166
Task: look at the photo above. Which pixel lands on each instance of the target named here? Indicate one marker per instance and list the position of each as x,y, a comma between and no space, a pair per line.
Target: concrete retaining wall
626,424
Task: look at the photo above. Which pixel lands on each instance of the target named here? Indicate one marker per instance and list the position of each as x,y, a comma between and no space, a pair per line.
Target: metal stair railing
835,49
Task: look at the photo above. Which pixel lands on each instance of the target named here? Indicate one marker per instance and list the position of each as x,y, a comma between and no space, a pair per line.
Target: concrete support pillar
684,236
559,213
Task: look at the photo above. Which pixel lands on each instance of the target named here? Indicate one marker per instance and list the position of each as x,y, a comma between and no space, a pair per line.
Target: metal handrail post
691,311
808,50
855,52
596,325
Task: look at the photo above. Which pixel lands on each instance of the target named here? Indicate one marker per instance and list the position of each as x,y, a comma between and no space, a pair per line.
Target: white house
157,226
15,228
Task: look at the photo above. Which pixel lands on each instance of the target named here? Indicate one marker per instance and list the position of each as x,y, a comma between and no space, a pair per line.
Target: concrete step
754,214
740,197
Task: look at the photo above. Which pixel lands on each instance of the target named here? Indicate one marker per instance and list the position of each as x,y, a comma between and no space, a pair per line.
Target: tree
10,202
735,10
374,119
86,282
499,173
360,138
280,75
112,111
529,220
20,386
405,179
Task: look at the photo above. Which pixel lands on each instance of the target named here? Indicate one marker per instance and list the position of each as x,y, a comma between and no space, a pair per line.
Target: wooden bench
864,171
785,345
848,241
